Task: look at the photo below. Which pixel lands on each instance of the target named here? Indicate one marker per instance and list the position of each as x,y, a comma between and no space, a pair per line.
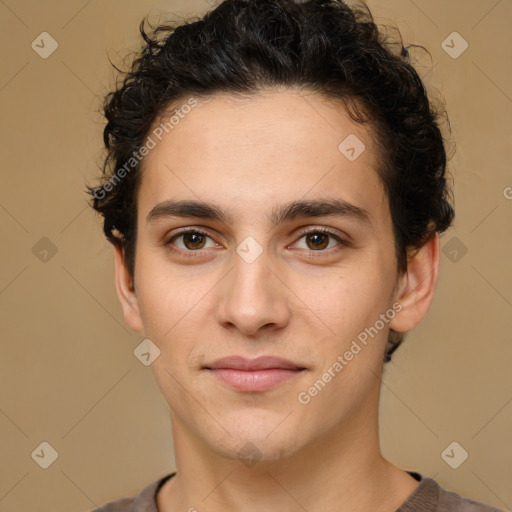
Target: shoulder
143,502
120,505
451,501
429,496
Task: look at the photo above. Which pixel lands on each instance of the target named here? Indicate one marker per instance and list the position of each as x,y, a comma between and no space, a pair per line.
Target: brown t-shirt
429,496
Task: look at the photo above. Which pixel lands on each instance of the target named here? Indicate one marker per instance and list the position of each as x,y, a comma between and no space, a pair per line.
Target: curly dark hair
243,47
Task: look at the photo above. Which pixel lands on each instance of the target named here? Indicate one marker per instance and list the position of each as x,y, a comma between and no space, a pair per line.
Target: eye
320,239
191,240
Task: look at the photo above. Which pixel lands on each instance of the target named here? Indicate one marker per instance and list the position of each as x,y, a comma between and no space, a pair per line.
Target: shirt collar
425,497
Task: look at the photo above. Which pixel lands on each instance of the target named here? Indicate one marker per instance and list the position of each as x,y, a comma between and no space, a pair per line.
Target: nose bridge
252,297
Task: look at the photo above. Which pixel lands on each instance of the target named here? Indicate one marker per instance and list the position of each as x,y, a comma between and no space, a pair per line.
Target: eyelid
183,231
323,229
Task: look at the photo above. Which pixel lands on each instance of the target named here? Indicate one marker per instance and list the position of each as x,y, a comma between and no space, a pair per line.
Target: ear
415,289
126,291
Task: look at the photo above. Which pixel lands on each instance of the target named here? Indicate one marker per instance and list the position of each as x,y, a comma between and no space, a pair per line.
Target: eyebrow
278,215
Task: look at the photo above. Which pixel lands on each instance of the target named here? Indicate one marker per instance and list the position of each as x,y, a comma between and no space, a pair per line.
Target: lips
253,375
260,363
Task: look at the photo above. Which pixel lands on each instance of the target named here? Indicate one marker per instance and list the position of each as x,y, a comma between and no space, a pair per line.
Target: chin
251,451
253,441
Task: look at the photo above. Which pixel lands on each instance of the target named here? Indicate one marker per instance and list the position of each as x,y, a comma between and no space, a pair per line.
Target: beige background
68,375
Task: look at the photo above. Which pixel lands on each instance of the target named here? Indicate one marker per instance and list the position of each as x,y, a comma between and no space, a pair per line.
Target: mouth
254,375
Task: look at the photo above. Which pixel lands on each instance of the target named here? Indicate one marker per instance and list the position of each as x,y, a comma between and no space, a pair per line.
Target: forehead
267,149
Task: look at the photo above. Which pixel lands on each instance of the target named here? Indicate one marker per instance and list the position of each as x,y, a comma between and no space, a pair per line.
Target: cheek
169,298
348,302
174,308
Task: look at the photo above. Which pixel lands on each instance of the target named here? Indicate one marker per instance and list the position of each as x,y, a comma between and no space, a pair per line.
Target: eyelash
301,234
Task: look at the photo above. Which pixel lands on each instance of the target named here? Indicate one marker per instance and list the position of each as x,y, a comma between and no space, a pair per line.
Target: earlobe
416,288
126,292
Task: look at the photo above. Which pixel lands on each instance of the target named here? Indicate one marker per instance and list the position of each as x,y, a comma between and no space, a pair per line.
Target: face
288,253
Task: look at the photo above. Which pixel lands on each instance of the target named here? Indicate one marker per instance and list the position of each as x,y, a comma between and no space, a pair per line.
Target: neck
343,471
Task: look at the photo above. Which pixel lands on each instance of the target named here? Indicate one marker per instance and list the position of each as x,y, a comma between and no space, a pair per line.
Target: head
252,123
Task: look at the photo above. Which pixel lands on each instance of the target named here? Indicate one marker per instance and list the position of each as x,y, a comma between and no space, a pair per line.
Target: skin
294,301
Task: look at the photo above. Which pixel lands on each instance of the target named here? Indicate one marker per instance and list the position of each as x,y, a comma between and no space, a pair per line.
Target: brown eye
317,241
194,240
191,240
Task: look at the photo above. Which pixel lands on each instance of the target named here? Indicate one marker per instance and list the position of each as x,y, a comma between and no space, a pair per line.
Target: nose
253,298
